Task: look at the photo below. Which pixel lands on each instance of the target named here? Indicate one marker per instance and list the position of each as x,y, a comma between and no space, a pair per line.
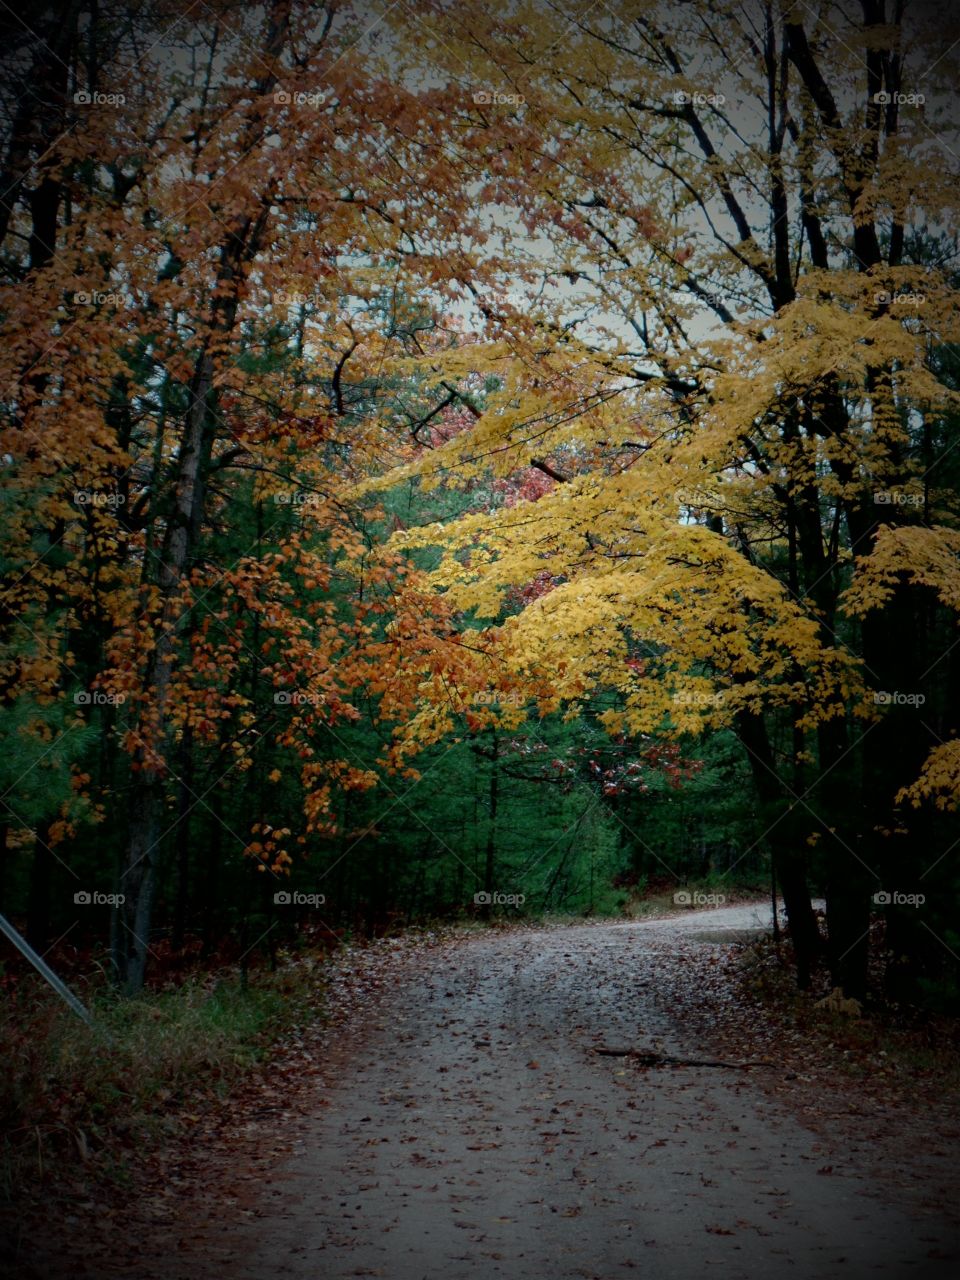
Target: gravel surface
468,1128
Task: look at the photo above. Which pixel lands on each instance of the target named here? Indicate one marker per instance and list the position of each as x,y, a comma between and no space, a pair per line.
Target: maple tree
466,462
370,388
205,272
720,326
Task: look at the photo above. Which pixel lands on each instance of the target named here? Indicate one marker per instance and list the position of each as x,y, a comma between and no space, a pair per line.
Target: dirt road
471,1131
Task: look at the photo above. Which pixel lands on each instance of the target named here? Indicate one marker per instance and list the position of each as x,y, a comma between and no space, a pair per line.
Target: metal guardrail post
41,966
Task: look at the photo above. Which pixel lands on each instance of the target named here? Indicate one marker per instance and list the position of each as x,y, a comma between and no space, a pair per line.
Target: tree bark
788,859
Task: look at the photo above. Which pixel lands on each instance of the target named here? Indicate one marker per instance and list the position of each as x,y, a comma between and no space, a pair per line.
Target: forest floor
458,1121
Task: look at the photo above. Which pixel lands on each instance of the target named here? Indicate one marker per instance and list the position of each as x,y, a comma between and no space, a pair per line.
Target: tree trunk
38,901
489,870
184,526
184,808
788,860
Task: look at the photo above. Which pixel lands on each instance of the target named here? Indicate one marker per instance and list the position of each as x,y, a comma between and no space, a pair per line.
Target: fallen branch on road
649,1059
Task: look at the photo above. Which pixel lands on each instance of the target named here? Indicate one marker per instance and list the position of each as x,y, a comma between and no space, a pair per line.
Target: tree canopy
560,399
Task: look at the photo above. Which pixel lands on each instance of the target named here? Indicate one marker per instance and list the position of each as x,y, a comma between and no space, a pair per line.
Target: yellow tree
717,290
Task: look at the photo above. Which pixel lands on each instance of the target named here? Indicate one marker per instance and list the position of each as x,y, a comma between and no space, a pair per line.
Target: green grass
68,1090
656,901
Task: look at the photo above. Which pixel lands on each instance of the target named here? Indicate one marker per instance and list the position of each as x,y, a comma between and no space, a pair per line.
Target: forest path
471,1130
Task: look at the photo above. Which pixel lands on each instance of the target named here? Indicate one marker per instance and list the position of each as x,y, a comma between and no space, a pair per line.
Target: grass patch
658,898
70,1091
893,1041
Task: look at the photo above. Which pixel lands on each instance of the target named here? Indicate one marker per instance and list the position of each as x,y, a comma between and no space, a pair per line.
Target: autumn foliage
477,374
